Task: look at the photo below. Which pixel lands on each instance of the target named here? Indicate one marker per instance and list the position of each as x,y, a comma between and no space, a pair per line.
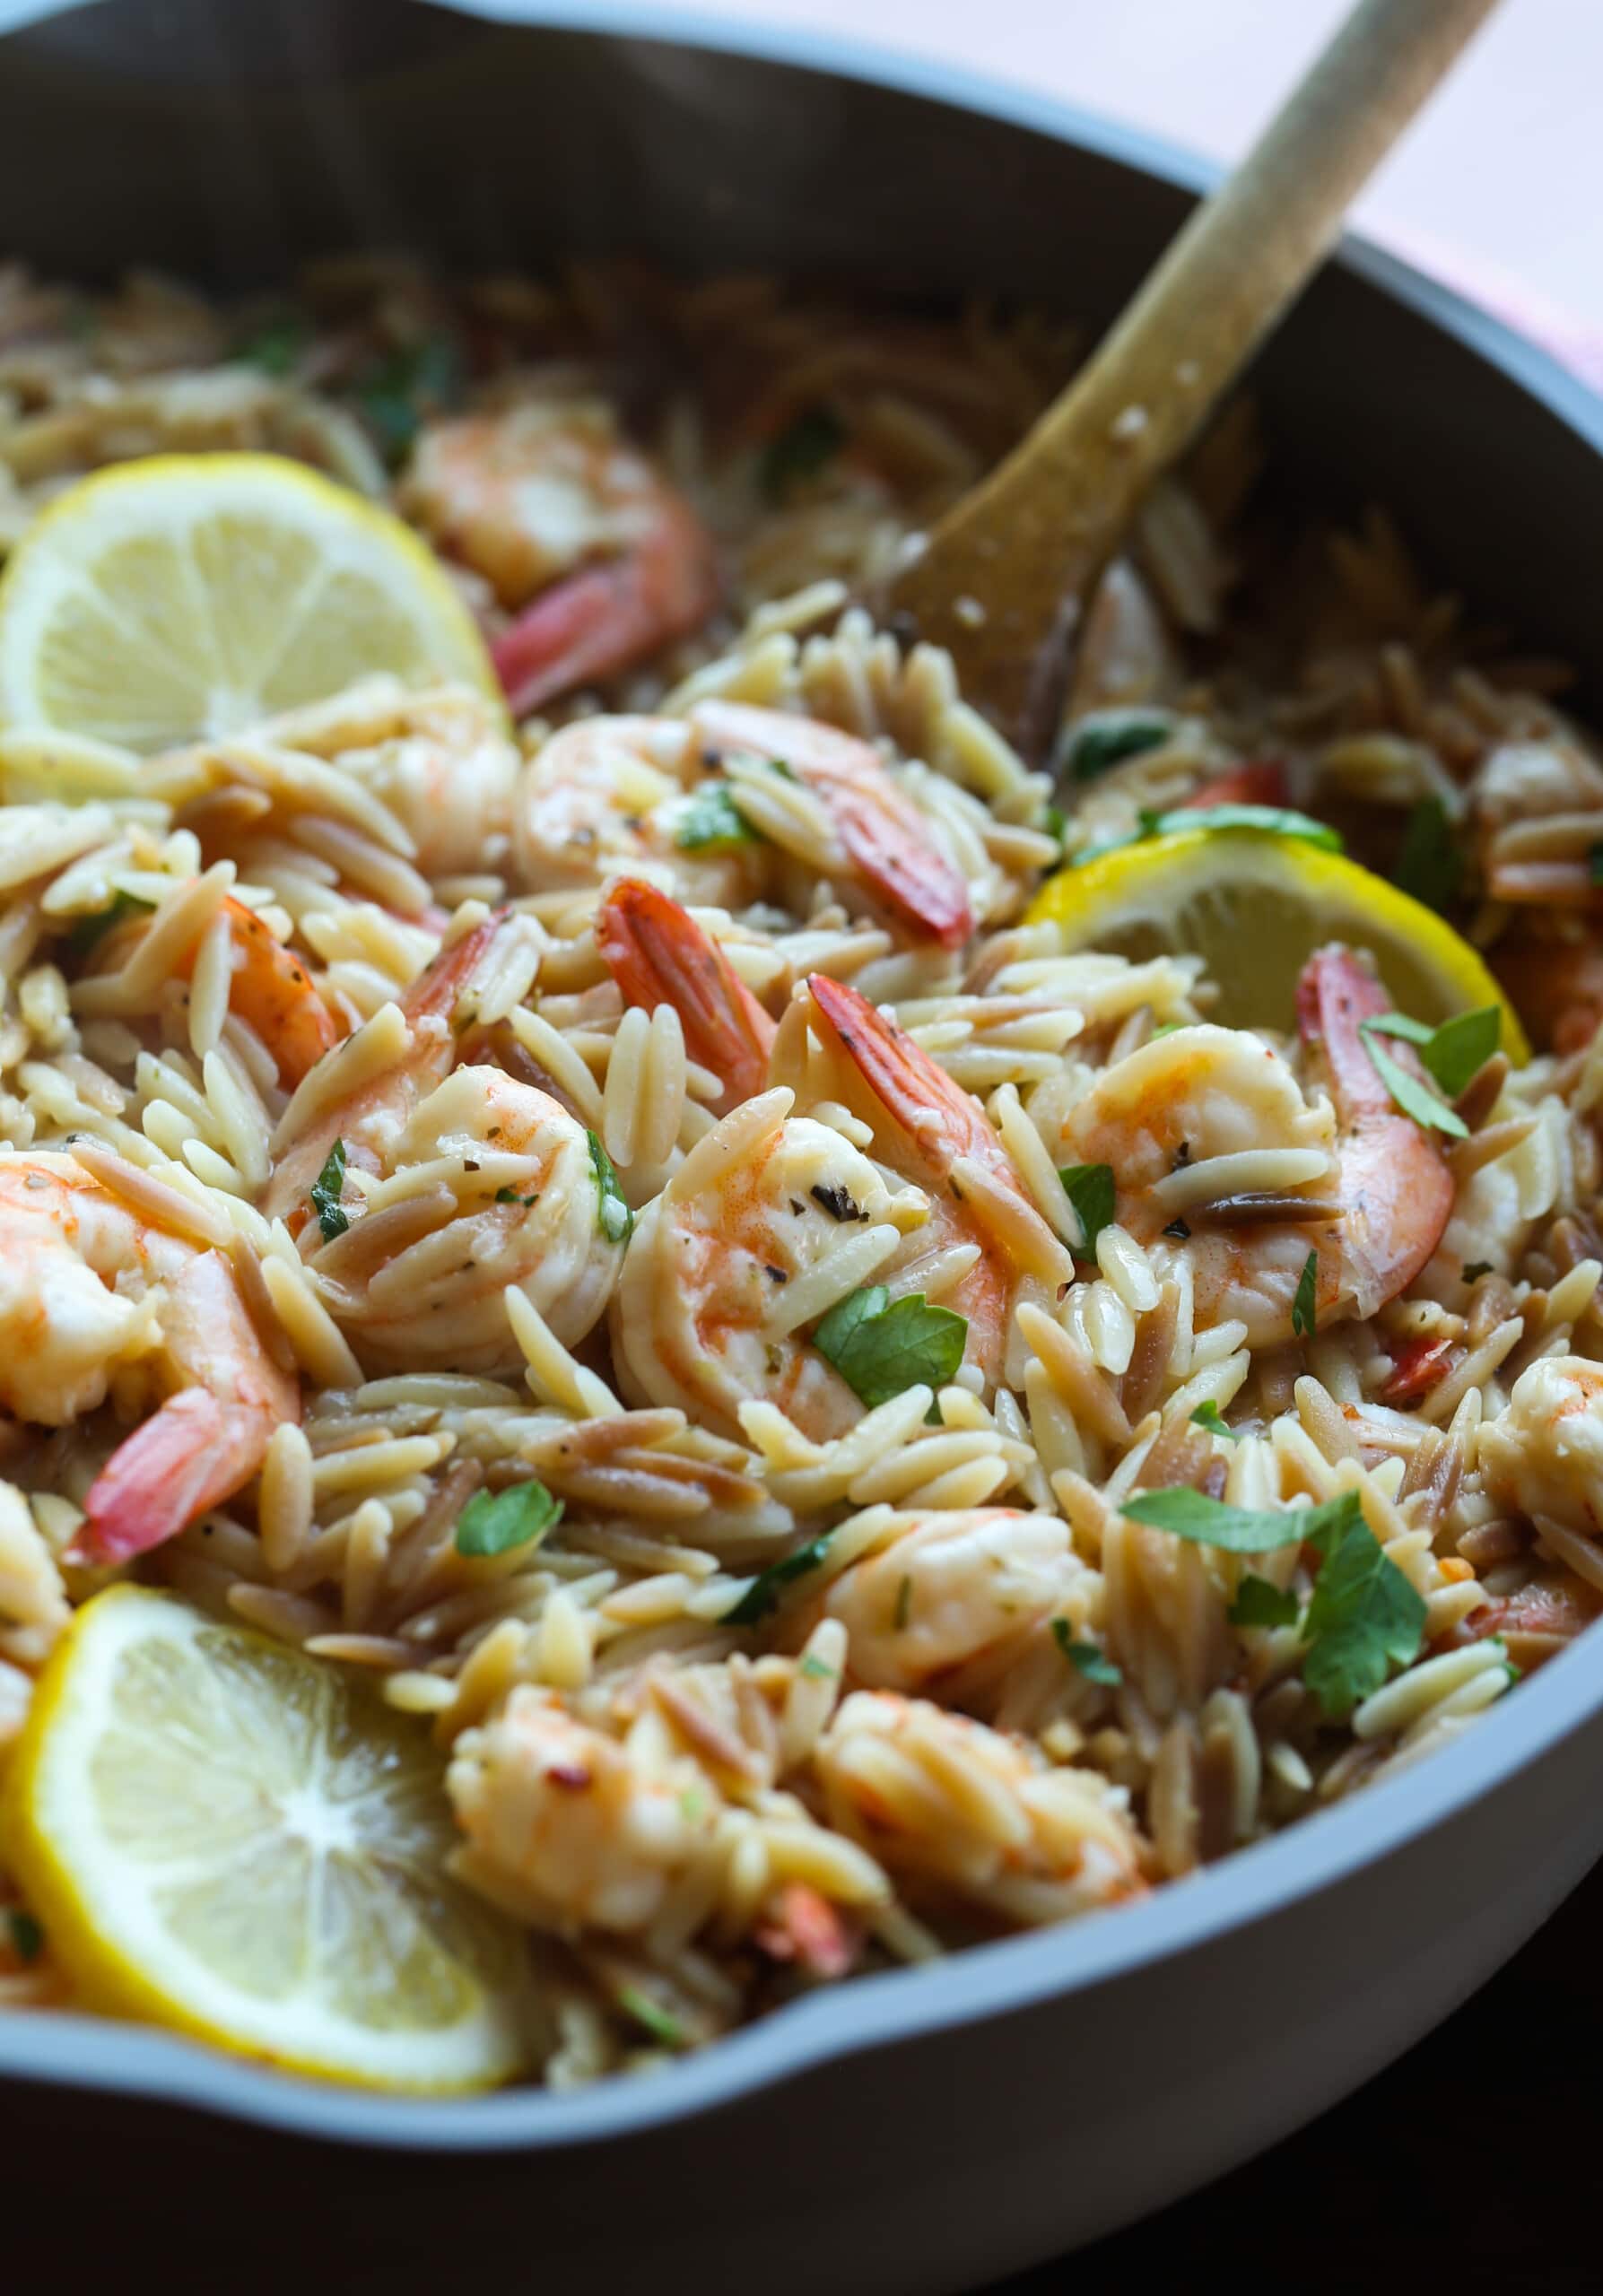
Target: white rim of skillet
65,2050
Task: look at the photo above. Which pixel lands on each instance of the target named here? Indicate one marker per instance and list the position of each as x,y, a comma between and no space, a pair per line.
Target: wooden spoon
1003,577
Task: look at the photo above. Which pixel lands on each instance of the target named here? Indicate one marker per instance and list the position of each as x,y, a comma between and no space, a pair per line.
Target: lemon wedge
219,1836
1255,907
182,596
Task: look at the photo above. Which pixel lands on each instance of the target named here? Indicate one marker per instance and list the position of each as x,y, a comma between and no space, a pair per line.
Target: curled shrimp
1220,1159
770,1220
598,560
658,954
959,1811
95,1298
984,1241
610,795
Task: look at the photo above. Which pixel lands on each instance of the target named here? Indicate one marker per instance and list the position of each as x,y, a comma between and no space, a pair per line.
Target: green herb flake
1211,1421
1453,1053
1088,1658
325,1192
1429,864
802,450
1090,1189
613,1215
1238,1530
1104,738
1258,1602
511,1196
401,388
814,1669
26,1938
85,932
1415,1100
712,822
276,345
1363,1617
1474,1269
1305,1305
1055,825
493,1522
767,1589
652,2017
882,1347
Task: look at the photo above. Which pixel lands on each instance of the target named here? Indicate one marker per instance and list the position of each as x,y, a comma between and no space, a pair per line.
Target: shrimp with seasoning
98,1301
658,954
598,561
1191,1122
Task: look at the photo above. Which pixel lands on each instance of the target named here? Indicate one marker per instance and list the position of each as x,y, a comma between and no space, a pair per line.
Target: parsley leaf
800,451
881,1347
712,822
1090,1189
26,1938
399,389
1429,863
1104,738
1239,1530
1305,1305
1415,1100
1211,1419
511,1196
1088,1658
1453,1053
493,1522
767,1589
1055,823
325,1192
1258,1602
84,931
612,1216
276,345
1362,1617
659,2022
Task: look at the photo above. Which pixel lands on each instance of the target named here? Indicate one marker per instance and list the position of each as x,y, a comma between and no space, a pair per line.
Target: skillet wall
227,142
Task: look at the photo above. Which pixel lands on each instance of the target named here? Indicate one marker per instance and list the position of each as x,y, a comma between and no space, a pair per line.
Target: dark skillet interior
227,143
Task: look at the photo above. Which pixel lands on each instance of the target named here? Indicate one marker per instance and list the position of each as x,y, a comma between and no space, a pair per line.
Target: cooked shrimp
948,1589
929,1131
1220,1159
959,1811
1551,964
658,954
597,557
770,1220
489,1183
891,848
1543,1454
622,794
92,1295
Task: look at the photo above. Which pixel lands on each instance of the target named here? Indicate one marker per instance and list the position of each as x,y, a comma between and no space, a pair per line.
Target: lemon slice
219,1836
1254,907
187,595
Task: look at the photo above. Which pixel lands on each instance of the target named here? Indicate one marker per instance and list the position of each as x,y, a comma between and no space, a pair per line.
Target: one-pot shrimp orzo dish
668,1331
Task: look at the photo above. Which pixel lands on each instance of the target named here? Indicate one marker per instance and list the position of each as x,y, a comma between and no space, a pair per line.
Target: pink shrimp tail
604,617
658,954
905,1082
880,827
1335,995
196,1451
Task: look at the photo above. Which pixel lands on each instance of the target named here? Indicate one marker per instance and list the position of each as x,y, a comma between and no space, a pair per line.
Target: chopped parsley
1450,1056
1055,824
1363,1615
800,451
399,389
652,2017
1104,738
814,1669
276,345
613,1215
1240,1530
84,931
511,1196
1304,1306
882,1347
1415,1100
1211,1421
325,1192
712,822
1258,1602
1429,863
1087,1658
493,1522
767,1589
26,1938
1267,820
1090,1189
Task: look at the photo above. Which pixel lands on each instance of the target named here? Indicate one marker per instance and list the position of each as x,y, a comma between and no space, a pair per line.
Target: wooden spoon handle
1003,576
